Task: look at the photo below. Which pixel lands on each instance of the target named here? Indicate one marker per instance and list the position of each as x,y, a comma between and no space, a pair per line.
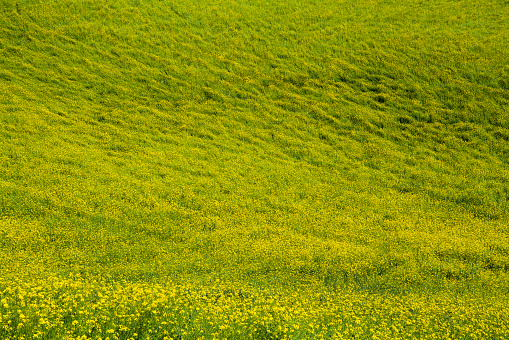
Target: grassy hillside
254,169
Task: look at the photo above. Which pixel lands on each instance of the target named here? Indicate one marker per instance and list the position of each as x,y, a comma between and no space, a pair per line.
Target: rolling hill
254,169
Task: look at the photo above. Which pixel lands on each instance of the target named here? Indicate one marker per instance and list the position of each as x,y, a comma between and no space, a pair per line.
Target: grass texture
254,169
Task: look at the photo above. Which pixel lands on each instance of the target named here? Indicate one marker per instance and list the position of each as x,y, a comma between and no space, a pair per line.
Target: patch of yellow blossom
75,308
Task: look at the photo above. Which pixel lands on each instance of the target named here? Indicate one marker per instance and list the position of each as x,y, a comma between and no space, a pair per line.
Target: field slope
254,169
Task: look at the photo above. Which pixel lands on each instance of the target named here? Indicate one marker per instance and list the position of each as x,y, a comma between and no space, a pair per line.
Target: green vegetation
254,169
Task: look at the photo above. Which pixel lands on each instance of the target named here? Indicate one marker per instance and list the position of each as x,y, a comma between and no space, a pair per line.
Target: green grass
305,146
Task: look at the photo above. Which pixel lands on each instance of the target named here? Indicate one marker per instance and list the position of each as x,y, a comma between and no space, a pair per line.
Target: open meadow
262,169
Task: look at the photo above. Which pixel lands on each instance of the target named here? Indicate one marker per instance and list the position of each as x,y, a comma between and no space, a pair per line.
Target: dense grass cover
254,169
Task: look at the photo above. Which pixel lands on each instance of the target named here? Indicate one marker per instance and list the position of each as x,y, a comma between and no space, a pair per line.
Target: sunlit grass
339,167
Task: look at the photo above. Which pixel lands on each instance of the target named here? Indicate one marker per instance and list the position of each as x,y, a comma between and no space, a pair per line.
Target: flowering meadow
262,169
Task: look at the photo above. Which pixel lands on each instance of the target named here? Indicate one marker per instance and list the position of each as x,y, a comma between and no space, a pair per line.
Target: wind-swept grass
350,151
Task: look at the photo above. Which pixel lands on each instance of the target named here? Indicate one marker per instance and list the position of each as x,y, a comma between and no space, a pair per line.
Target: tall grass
319,156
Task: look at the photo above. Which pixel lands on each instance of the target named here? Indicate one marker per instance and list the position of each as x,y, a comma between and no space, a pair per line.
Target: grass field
260,169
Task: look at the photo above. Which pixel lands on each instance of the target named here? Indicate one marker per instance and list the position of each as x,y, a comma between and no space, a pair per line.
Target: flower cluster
75,308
